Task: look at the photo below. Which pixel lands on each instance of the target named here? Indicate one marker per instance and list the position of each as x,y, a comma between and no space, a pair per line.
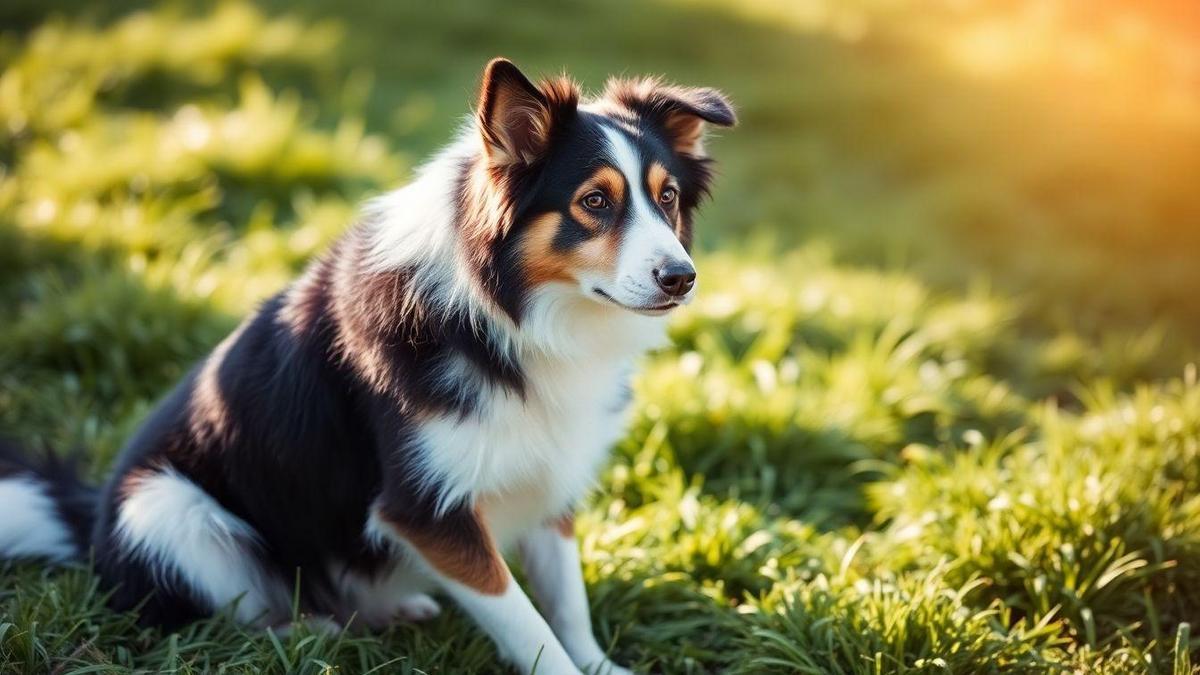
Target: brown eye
668,196
595,200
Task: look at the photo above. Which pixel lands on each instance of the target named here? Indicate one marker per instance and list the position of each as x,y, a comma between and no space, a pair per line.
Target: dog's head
594,196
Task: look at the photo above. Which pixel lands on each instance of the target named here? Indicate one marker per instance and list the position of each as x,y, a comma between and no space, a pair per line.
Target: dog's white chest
526,459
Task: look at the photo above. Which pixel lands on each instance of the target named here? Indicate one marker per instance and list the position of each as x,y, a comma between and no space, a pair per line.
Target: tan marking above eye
658,180
608,181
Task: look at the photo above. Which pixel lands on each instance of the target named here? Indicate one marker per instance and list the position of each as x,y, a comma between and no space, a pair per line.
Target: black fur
305,416
549,185
74,501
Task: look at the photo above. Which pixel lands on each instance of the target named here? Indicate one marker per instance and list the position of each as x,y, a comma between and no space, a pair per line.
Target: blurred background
949,238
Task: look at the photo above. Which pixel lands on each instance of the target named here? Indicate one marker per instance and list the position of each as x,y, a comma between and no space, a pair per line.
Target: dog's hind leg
376,600
193,549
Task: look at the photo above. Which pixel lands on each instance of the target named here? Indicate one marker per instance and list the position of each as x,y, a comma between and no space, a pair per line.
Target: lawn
936,408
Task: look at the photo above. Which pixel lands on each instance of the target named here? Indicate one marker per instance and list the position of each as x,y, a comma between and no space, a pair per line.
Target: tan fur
473,561
519,112
566,525
209,413
518,118
685,131
133,481
684,127
657,179
687,134
543,264
609,181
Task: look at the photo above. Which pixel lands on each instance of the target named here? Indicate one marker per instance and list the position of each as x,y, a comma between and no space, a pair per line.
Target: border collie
441,386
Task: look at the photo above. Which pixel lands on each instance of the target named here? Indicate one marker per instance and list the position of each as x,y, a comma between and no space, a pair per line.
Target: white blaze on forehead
649,239
625,156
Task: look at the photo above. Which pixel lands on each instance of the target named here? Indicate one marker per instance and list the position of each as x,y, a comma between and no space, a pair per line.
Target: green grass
932,411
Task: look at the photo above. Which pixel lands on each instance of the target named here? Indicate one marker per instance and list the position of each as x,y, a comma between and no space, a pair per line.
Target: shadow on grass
88,346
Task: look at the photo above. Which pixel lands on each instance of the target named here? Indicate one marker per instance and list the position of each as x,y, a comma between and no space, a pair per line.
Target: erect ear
517,118
682,111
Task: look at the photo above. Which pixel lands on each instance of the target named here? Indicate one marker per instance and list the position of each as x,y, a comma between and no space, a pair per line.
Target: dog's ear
686,112
681,111
516,118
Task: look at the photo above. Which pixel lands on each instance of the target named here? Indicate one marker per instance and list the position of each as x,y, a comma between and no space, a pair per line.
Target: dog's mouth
650,310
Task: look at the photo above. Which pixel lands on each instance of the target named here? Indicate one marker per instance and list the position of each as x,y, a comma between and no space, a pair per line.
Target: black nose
675,278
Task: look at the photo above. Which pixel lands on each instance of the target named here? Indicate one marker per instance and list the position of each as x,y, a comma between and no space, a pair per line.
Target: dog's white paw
606,667
417,607
315,625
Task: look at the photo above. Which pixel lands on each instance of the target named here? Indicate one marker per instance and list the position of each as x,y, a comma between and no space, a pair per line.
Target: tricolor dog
438,389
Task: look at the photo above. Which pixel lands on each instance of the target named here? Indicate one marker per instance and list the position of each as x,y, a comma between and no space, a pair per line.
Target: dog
440,387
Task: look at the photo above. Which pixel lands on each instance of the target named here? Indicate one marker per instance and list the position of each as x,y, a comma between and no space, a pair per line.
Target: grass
932,412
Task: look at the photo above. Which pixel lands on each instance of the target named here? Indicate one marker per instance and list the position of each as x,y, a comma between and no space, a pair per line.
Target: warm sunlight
862,341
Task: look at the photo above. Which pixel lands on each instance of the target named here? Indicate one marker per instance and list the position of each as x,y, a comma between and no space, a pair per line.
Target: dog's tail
46,510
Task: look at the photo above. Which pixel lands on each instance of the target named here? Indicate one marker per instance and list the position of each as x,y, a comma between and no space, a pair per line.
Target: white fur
525,459
417,607
551,562
177,528
648,241
398,593
414,227
521,634
575,354
30,524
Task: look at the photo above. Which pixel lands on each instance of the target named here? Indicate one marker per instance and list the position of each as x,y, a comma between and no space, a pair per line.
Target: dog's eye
595,200
668,196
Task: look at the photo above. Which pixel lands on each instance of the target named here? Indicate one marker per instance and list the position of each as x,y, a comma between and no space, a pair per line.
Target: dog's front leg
550,556
457,550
